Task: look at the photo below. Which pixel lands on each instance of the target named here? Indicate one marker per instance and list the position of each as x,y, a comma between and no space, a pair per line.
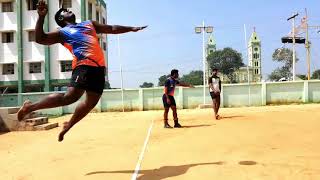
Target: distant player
88,75
168,98
215,90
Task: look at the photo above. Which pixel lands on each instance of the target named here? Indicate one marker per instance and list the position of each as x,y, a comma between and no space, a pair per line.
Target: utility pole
307,43
306,27
293,17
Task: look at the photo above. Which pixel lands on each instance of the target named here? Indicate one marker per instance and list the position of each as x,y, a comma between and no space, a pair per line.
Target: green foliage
146,85
280,72
316,74
107,85
194,78
283,55
227,61
162,80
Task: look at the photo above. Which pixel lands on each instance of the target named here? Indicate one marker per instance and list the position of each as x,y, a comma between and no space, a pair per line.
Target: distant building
254,57
27,66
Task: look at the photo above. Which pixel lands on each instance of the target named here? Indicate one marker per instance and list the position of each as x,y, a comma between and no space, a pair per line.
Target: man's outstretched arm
41,36
115,29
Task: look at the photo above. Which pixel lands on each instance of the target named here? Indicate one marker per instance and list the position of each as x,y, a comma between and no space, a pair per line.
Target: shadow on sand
196,126
160,173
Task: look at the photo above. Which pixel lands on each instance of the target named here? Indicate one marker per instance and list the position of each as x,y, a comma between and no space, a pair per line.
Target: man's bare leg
51,101
218,107
175,117
165,118
215,108
81,111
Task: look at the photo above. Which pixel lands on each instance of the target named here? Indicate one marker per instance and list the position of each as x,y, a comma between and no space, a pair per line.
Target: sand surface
259,143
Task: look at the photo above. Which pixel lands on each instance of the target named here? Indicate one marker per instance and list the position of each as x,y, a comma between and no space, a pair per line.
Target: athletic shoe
177,125
166,125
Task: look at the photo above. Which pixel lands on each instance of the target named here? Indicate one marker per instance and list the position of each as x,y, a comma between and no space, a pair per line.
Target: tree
194,78
162,80
302,76
280,72
316,74
283,55
107,85
227,61
146,85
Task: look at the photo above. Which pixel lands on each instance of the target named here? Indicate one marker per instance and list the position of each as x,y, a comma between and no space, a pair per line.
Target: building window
97,16
32,4
35,68
7,37
255,49
211,51
7,69
103,21
7,7
104,46
90,11
32,36
66,66
258,56
66,4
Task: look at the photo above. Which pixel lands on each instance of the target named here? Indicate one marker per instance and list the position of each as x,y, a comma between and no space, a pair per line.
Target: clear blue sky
170,41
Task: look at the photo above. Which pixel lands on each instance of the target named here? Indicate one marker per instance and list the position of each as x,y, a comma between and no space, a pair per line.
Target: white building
28,66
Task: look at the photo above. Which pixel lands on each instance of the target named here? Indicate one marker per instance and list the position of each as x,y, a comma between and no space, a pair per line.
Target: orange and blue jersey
81,40
170,86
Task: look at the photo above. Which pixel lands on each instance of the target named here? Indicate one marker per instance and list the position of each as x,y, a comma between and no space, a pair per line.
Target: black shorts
214,96
88,78
165,103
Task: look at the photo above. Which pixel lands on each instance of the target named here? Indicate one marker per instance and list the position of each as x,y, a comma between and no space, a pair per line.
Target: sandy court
273,142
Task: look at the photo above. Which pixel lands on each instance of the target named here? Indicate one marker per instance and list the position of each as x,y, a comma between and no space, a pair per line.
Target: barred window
7,37
7,7
66,66
90,11
7,69
97,16
35,68
32,36
66,4
32,4
104,46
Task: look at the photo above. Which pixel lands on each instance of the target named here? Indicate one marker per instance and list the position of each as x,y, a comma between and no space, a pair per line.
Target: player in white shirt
215,90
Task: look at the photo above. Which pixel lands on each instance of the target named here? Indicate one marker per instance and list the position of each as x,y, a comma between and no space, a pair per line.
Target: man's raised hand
136,29
42,8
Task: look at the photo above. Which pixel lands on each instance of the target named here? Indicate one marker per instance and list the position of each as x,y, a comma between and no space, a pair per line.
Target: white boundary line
136,171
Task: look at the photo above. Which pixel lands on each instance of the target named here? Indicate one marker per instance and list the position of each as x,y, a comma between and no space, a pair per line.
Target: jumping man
88,75
215,89
168,98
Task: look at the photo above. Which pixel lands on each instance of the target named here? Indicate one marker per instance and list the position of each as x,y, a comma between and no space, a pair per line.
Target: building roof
254,38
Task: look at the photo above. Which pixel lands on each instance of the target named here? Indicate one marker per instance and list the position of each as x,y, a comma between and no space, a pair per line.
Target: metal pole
248,71
204,62
307,44
121,76
293,50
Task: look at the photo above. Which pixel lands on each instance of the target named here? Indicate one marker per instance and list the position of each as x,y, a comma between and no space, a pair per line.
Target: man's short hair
214,69
174,71
57,17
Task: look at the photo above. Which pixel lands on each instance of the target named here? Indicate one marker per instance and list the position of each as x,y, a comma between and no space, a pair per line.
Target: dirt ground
258,143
